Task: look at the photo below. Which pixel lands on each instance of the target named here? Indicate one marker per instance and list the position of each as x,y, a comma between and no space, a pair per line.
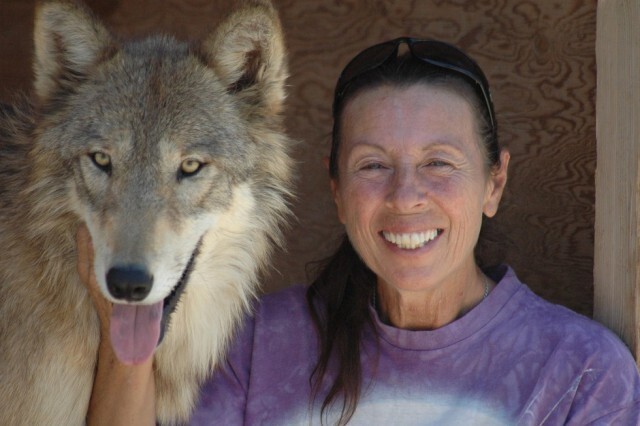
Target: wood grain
539,57
617,224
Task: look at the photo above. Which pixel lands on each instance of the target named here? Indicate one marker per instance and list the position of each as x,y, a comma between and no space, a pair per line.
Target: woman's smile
411,240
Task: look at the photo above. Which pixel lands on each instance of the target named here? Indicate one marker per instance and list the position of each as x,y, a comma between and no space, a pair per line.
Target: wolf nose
129,283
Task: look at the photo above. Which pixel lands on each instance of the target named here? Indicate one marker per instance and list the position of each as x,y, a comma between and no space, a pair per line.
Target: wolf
174,155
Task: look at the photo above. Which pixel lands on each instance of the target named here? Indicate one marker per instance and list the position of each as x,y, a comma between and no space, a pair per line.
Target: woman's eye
438,163
101,160
372,166
190,167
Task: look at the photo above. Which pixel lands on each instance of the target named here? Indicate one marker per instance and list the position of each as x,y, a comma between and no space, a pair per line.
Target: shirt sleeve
609,392
223,397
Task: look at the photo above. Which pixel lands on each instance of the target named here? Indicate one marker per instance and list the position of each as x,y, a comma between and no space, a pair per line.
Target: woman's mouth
411,240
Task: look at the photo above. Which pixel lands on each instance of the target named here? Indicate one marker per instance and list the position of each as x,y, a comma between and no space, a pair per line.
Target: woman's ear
496,184
325,162
337,199
334,188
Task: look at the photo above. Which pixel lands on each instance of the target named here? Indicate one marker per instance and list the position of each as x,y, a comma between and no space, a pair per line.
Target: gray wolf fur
174,156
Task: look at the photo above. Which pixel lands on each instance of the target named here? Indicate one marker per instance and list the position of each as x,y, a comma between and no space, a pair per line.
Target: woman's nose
406,192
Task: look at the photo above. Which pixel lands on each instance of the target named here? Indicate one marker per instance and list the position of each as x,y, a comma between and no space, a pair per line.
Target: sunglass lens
367,60
444,53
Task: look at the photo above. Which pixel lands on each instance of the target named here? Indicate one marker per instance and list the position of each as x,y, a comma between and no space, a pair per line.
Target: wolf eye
101,160
190,167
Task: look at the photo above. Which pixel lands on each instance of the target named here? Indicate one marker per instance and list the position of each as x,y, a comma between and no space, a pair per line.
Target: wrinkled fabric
514,359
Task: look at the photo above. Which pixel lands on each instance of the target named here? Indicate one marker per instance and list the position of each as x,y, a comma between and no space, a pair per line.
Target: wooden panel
539,56
617,274
16,46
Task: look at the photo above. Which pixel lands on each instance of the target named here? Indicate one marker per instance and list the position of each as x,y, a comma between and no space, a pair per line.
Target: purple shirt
513,359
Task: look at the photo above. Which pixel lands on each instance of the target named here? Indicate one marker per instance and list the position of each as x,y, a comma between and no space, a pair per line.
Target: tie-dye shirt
514,359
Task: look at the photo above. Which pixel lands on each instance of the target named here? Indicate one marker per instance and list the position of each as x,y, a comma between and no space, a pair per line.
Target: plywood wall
540,60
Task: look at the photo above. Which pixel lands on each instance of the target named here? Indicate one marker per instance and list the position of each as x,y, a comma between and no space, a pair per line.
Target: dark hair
339,297
338,300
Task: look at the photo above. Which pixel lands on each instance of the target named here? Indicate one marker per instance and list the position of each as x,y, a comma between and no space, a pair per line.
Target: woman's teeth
411,240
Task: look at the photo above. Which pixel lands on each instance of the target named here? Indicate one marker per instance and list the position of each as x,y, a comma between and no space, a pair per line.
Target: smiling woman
401,326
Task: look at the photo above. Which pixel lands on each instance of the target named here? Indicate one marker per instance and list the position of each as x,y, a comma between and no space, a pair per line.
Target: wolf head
164,149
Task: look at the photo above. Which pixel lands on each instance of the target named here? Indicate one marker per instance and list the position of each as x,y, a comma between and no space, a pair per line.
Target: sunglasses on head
437,53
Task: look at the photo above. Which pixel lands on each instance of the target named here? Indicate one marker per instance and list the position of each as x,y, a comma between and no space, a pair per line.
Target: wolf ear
247,53
68,40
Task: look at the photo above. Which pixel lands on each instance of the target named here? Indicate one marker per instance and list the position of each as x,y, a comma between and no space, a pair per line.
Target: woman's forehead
401,112
410,121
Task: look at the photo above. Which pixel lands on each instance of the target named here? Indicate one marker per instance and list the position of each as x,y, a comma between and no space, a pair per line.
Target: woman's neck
431,308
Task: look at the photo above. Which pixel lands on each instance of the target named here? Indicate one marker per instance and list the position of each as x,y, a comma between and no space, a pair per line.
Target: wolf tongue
135,330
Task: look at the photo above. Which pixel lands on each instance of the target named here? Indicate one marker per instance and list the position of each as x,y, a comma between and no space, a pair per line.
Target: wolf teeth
412,240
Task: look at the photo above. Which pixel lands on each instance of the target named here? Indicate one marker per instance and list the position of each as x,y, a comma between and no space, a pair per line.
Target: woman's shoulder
544,323
287,305
294,295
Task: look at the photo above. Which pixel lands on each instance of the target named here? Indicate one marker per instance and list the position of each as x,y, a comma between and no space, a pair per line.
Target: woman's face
413,184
